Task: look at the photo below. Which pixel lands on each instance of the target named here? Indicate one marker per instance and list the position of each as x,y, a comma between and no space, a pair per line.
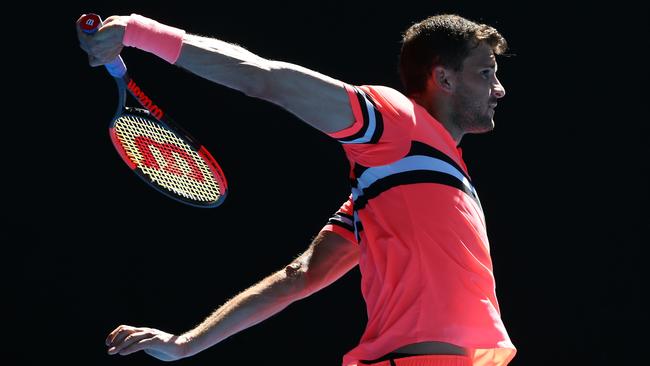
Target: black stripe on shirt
338,219
420,148
409,177
379,122
344,225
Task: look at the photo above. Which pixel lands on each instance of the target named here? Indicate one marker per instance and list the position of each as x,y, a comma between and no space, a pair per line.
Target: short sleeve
342,222
383,122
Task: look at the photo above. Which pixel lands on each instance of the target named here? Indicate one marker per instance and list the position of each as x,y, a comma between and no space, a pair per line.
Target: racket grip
89,24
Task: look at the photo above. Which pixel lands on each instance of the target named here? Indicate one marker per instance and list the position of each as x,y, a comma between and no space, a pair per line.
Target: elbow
257,85
259,80
270,81
304,281
297,280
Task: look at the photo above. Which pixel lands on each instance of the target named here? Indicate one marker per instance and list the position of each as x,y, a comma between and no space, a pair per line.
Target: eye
486,73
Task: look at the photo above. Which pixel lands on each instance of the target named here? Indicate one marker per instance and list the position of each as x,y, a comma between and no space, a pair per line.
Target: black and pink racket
157,149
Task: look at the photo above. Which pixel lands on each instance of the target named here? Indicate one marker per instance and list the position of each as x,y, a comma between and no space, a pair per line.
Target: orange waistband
425,360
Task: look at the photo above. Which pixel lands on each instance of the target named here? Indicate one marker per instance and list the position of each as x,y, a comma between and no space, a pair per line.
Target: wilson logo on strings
169,152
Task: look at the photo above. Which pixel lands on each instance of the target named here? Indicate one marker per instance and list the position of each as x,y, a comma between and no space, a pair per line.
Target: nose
498,90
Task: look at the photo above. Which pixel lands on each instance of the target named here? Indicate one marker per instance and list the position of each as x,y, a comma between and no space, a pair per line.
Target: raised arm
328,258
317,99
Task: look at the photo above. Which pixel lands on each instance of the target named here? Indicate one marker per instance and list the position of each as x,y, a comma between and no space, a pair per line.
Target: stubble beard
472,117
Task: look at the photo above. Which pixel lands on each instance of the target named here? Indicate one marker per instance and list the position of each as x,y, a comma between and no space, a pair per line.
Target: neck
441,111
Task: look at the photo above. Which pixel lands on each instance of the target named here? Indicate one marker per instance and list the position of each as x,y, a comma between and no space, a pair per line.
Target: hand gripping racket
157,149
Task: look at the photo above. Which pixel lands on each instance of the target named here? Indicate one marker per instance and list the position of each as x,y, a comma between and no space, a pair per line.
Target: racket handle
89,24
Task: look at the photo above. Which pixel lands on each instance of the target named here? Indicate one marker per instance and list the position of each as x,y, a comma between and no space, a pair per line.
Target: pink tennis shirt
425,258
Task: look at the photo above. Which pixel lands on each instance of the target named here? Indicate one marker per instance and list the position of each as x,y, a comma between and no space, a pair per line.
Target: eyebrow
494,66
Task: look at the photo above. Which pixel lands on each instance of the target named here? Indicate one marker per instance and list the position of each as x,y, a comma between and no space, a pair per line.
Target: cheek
472,92
471,100
482,93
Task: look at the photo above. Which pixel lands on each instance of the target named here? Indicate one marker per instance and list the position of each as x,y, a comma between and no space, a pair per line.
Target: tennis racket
157,149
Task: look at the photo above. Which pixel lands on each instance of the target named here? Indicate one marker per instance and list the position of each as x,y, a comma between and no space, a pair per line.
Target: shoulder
387,98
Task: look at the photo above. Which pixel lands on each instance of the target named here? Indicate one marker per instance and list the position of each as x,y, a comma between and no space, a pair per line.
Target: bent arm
328,258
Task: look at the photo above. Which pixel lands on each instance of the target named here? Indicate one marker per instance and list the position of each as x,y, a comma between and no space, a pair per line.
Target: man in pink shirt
413,222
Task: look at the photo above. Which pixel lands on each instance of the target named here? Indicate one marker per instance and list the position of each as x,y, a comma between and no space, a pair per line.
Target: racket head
167,159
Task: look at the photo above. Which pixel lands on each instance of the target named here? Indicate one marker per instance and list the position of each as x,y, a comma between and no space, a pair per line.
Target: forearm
255,304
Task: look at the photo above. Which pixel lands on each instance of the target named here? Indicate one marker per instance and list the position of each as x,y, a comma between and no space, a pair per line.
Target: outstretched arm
328,258
315,98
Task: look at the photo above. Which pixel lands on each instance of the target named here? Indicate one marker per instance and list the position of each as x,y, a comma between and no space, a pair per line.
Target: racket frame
125,84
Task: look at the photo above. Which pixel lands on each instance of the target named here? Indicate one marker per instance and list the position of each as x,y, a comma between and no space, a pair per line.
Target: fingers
143,343
104,45
110,19
84,42
98,55
126,339
124,347
118,334
78,24
94,61
124,336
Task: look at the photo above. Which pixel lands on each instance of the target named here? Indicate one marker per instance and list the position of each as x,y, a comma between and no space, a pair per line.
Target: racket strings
166,159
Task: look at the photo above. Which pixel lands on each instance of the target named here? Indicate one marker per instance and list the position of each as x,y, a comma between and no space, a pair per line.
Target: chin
483,127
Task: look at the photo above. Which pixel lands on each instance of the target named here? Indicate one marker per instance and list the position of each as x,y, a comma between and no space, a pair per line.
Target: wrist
151,36
184,344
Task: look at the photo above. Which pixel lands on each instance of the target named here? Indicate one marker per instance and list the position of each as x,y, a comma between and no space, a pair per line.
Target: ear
444,78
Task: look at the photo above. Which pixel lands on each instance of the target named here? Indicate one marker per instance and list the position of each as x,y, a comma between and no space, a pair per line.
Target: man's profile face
477,91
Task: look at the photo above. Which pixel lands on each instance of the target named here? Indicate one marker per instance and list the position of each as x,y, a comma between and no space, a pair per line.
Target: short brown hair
441,40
